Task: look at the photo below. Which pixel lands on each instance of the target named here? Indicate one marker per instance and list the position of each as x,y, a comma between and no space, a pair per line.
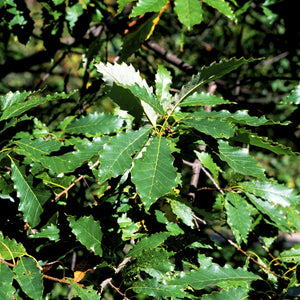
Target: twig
246,254
114,287
75,181
107,281
171,58
212,180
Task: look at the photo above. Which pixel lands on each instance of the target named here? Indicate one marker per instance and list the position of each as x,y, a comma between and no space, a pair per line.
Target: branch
167,56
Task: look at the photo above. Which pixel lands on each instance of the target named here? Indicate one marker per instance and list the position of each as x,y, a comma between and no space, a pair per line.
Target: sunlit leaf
291,255
85,293
153,173
240,160
237,293
147,243
200,99
95,124
29,277
272,192
238,216
158,290
163,81
208,162
88,232
189,12
50,232
116,156
6,288
31,199
276,214
223,7
294,97
214,275
144,6
10,249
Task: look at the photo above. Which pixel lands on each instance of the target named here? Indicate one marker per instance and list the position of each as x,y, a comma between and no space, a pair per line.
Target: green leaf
144,6
154,174
207,74
240,117
163,80
6,287
189,12
147,243
276,214
88,232
239,160
31,199
207,161
95,124
247,137
50,232
127,77
214,127
291,255
202,98
122,4
152,287
12,98
214,275
133,40
272,192
237,293
10,249
294,97
85,293
29,277
18,107
116,156
223,7
183,212
238,216
73,13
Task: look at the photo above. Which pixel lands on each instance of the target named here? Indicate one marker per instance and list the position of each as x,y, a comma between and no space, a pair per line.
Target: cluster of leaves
112,187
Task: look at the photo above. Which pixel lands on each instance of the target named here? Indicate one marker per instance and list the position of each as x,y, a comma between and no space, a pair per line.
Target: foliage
121,176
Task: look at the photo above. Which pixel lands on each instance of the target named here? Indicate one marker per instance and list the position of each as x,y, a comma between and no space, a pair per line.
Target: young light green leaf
163,82
144,6
154,174
6,288
207,74
31,199
147,243
50,232
275,213
189,12
19,108
223,7
207,161
125,76
95,124
239,160
238,216
116,156
73,13
85,293
152,287
230,294
272,192
214,275
202,98
214,127
88,232
29,277
294,97
10,249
